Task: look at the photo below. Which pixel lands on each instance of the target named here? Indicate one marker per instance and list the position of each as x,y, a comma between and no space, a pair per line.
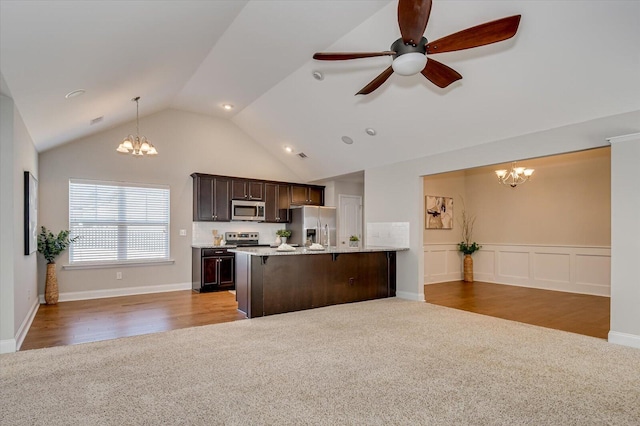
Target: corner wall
18,279
625,241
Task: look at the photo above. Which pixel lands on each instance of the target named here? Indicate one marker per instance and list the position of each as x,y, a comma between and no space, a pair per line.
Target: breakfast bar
270,281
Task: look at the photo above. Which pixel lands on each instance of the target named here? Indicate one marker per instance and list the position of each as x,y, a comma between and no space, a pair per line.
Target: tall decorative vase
468,268
278,240
51,285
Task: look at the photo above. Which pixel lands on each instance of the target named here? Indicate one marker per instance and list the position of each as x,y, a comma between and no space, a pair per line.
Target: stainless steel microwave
247,210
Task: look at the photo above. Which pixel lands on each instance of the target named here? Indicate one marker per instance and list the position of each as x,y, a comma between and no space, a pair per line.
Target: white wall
18,285
625,241
393,193
187,143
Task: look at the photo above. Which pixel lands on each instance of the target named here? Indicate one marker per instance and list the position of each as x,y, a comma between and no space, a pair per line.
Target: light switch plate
183,232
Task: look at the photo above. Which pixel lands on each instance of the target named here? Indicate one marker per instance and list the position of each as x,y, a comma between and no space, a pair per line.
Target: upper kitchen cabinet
307,195
276,200
245,189
211,198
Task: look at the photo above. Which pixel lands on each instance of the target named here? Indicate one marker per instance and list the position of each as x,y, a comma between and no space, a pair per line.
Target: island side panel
287,283
391,261
243,282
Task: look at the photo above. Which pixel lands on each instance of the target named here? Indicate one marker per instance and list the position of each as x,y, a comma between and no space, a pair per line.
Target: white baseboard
13,345
7,346
117,292
418,297
26,324
624,339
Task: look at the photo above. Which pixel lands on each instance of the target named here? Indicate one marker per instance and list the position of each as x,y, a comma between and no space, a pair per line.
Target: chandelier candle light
515,177
138,146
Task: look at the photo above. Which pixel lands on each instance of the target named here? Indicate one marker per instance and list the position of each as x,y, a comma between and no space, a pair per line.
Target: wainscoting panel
554,267
513,264
574,269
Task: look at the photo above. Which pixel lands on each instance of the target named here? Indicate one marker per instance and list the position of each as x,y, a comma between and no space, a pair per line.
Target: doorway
350,218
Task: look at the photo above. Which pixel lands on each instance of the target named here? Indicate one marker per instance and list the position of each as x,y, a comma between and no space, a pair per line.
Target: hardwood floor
577,313
84,321
69,323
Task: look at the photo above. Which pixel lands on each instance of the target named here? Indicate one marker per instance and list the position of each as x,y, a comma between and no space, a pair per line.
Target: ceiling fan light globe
409,63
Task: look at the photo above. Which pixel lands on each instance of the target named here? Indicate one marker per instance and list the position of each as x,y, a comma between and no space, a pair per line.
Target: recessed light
347,140
318,75
370,131
227,107
74,93
288,149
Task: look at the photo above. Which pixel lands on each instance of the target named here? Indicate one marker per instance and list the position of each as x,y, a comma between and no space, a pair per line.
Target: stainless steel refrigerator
312,223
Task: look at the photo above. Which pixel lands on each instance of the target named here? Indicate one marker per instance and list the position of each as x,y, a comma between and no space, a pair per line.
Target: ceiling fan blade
329,56
440,74
376,82
413,16
487,33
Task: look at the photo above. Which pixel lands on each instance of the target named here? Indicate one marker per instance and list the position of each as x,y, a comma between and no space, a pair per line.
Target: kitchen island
269,281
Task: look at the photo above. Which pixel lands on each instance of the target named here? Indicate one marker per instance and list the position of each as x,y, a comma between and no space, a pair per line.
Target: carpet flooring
383,362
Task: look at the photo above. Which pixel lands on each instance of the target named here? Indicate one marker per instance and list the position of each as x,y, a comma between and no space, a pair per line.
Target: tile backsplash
202,231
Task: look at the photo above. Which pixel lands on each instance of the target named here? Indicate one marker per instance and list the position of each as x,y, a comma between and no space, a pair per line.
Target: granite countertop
271,251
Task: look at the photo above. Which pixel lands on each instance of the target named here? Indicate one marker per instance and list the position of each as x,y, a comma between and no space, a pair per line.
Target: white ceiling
571,61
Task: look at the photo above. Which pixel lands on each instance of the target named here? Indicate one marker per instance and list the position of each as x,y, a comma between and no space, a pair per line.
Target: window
118,222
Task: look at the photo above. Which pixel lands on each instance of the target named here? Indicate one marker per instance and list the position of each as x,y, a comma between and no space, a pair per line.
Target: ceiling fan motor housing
400,48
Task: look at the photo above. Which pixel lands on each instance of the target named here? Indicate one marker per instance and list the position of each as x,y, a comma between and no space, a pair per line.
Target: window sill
103,265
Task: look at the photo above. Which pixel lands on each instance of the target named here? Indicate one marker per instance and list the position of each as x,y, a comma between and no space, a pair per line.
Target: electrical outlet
183,232
118,275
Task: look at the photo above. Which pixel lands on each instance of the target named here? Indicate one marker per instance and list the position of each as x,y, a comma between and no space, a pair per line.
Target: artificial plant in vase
282,234
354,241
51,246
466,246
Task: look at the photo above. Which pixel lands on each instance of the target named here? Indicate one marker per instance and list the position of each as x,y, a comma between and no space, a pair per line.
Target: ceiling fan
410,51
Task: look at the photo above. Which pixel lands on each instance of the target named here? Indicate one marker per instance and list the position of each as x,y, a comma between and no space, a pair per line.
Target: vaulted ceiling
570,62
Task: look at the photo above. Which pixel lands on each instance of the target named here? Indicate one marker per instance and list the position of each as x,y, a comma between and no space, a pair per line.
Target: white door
350,220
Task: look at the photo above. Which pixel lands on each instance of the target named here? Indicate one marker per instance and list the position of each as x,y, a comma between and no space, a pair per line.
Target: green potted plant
282,234
51,246
354,241
466,246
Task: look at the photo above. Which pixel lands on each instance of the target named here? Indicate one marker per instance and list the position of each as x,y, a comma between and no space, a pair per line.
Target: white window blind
118,222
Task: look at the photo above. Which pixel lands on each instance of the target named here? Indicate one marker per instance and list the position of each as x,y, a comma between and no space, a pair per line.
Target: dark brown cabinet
276,199
244,189
212,195
211,198
307,195
212,270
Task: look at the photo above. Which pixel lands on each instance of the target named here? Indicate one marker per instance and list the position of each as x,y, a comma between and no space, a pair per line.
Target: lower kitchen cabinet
212,270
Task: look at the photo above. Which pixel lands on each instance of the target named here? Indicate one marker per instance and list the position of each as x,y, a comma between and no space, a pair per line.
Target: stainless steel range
243,239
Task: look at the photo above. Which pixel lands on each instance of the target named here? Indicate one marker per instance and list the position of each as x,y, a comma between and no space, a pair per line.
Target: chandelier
515,177
138,146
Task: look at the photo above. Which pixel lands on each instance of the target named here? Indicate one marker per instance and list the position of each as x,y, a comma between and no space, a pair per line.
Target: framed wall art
30,213
438,212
